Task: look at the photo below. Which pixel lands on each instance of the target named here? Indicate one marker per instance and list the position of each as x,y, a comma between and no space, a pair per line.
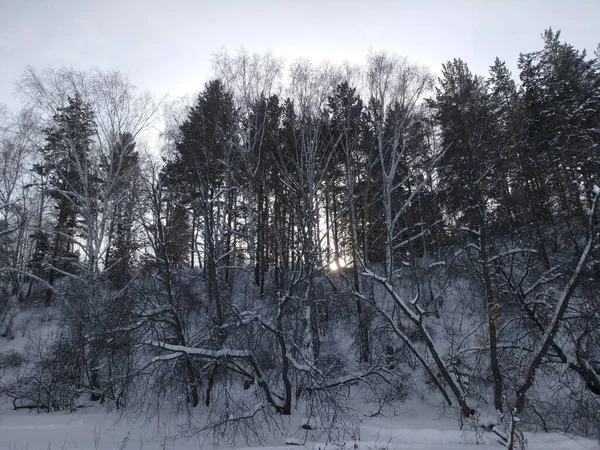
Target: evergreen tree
469,171
123,167
261,178
347,126
67,166
203,172
471,177
561,100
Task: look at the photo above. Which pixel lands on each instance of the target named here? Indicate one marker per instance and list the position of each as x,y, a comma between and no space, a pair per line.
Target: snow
413,425
206,353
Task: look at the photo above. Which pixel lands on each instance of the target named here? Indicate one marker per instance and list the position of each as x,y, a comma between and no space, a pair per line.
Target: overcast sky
166,45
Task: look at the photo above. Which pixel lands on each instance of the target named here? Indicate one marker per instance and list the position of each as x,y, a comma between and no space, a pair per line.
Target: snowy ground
414,427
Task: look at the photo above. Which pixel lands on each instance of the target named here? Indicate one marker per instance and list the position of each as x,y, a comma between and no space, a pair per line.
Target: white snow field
413,426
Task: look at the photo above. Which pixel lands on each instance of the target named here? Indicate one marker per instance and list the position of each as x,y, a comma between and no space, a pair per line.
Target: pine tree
561,101
261,178
67,166
471,176
468,173
123,167
203,173
346,125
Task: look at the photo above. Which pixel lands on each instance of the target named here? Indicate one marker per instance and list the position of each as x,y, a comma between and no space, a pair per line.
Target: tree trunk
493,312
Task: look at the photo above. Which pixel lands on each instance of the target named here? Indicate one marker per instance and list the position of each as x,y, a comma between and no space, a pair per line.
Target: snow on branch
299,366
469,230
511,252
203,352
559,312
168,357
353,378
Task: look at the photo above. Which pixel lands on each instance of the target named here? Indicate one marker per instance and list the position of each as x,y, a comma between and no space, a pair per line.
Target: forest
294,237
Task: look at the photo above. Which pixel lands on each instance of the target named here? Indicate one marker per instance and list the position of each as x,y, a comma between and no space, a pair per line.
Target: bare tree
396,89
118,111
152,218
18,139
253,80
560,309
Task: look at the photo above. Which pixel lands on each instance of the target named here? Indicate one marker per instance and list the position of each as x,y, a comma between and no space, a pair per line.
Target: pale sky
166,46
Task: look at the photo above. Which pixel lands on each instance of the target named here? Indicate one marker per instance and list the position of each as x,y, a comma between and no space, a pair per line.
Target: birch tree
118,110
397,90
253,80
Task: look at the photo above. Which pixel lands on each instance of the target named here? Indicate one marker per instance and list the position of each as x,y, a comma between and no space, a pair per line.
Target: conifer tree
71,181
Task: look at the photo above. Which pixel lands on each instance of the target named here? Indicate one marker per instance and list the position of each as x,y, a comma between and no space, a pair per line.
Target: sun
334,266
